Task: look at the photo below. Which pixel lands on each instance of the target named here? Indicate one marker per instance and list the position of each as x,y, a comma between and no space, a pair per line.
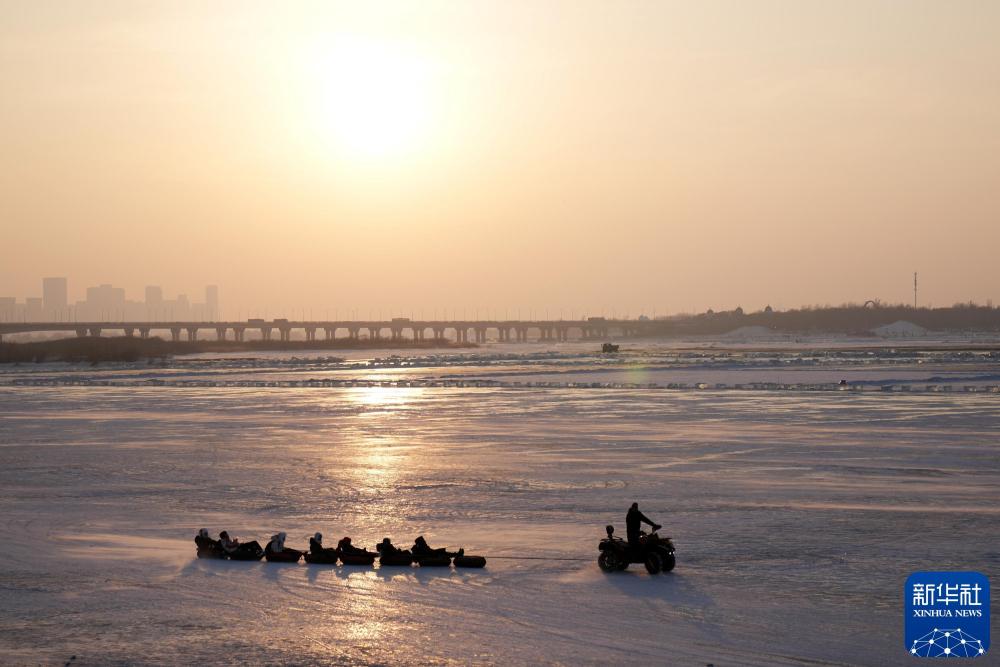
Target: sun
374,100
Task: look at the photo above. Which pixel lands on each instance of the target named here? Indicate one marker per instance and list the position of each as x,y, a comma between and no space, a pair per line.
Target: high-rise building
54,296
154,307
33,309
212,302
154,295
8,308
105,302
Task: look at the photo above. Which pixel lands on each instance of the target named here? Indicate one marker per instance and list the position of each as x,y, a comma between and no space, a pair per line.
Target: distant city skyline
569,155
105,302
108,302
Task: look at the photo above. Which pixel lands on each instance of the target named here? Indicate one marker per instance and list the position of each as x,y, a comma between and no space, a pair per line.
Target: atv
653,551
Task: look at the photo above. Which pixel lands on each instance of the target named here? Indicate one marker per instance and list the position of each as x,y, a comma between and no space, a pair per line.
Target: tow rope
536,558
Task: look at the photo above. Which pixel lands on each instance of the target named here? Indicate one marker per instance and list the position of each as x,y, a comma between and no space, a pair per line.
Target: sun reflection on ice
383,397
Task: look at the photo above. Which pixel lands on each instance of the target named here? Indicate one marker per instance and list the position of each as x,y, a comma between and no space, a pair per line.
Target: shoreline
129,348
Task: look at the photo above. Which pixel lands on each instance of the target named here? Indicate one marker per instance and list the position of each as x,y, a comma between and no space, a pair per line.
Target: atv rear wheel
654,563
608,561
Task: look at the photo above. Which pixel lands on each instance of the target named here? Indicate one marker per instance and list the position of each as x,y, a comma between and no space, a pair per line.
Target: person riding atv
655,552
633,523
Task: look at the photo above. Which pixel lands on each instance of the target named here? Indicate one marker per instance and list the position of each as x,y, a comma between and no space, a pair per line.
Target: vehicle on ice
653,551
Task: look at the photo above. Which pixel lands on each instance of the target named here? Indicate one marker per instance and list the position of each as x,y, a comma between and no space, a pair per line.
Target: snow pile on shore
753,333
900,329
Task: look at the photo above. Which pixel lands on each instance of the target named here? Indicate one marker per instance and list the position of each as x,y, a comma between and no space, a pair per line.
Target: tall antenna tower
914,290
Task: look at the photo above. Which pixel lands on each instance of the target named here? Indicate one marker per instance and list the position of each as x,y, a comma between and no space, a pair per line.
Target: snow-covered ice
797,515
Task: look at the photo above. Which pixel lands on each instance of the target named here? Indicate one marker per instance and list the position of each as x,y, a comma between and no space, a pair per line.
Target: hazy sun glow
375,100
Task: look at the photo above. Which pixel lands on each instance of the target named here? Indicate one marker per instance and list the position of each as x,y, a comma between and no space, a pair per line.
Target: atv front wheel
608,561
669,562
654,563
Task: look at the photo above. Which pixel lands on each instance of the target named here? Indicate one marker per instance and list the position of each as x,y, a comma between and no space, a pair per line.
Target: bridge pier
522,334
354,333
374,333
310,333
329,333
285,334
265,333
192,333
238,333
175,334
396,333
220,333
95,331
129,331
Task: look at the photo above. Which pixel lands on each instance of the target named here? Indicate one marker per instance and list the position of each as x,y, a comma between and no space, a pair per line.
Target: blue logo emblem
947,614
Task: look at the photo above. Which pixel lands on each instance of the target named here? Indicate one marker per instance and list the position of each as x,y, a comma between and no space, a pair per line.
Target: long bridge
516,331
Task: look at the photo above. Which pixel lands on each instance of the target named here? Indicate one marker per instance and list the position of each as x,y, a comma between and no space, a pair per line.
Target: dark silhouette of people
277,544
232,545
229,544
633,522
421,549
344,546
316,545
387,548
206,544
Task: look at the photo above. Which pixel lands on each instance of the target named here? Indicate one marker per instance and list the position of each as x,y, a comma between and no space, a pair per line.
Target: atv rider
421,549
633,521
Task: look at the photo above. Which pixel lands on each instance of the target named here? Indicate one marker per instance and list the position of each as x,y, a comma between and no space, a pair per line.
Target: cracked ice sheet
797,519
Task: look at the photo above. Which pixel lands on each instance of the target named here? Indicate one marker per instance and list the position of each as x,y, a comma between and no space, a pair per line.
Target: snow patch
900,329
756,332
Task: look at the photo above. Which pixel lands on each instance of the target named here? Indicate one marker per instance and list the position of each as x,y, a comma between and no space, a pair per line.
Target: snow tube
324,558
470,561
364,558
211,552
283,556
434,561
250,551
396,559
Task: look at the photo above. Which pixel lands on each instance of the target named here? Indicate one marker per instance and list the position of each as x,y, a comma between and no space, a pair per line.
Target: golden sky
579,157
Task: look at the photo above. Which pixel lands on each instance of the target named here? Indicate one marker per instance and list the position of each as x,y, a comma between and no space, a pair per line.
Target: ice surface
797,515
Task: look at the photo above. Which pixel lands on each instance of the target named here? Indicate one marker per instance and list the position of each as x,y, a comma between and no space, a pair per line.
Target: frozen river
797,515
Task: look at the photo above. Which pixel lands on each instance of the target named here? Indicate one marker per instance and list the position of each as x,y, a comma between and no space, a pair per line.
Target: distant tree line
850,318
100,349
